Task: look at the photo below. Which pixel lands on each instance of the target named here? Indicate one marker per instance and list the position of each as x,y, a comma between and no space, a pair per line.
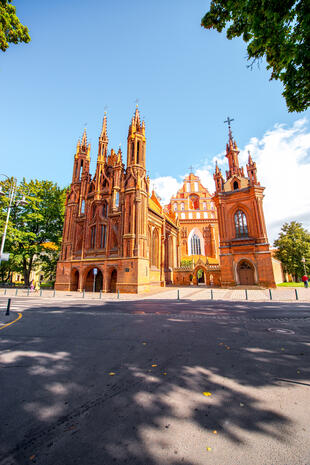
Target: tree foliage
33,226
292,245
11,29
278,30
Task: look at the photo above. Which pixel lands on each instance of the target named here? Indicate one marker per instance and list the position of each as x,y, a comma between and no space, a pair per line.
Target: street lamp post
12,197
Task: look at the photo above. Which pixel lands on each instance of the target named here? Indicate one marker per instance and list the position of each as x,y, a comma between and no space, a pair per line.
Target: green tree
292,245
278,30
33,225
11,29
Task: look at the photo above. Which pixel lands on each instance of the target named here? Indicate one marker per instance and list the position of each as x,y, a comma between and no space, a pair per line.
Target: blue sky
85,56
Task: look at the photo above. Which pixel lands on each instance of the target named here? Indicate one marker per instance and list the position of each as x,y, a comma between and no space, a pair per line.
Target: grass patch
290,285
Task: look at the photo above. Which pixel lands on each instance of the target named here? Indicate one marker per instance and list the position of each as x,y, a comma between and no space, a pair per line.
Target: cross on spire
191,169
228,121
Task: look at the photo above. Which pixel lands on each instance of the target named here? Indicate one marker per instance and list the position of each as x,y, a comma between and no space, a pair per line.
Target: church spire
103,141
232,153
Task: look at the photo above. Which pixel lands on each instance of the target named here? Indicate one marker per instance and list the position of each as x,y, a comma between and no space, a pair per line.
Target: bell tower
245,257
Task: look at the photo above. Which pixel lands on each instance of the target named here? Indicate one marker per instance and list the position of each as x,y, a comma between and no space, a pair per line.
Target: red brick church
117,236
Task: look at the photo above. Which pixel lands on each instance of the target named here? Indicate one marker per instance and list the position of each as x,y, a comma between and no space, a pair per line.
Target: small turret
252,171
136,142
218,178
81,158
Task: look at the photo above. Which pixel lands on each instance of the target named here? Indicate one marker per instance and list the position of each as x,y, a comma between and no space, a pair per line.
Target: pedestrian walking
305,280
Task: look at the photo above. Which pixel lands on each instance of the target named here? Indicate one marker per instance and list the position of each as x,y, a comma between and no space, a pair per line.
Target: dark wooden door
246,274
113,281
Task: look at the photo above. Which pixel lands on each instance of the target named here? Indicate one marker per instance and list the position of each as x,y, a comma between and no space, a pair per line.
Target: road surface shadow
147,389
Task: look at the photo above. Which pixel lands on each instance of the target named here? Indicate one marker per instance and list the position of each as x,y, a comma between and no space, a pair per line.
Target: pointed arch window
132,152
83,207
138,152
117,199
104,210
195,245
155,248
241,224
92,237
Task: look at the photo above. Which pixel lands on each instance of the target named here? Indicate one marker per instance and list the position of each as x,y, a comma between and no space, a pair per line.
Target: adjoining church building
117,236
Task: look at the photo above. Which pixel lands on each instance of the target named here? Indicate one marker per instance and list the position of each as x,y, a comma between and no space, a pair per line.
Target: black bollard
246,294
296,294
8,307
16,291
118,293
270,294
178,295
100,294
211,294
83,293
54,293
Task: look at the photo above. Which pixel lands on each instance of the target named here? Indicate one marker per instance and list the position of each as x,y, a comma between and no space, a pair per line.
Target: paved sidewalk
172,293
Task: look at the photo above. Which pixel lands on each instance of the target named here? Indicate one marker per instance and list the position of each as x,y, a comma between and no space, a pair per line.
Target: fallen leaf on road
214,432
154,365
164,374
227,347
31,457
298,371
144,343
207,394
282,348
241,404
111,373
209,448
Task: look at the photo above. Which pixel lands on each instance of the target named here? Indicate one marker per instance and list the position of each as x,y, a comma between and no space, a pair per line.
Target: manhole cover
281,331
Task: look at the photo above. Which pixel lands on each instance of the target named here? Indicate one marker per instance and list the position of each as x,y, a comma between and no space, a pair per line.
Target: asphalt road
156,383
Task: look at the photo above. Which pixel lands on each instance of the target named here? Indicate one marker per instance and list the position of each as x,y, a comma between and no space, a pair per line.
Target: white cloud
283,166
166,187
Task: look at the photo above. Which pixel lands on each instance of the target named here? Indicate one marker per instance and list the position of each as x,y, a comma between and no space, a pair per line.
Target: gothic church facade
116,236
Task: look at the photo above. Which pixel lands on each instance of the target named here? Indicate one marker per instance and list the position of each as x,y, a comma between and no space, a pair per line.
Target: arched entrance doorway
201,277
74,280
246,273
113,281
94,281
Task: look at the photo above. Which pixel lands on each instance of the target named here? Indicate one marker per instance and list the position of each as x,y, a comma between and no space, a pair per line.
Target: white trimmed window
195,245
196,186
197,215
205,215
182,216
190,215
